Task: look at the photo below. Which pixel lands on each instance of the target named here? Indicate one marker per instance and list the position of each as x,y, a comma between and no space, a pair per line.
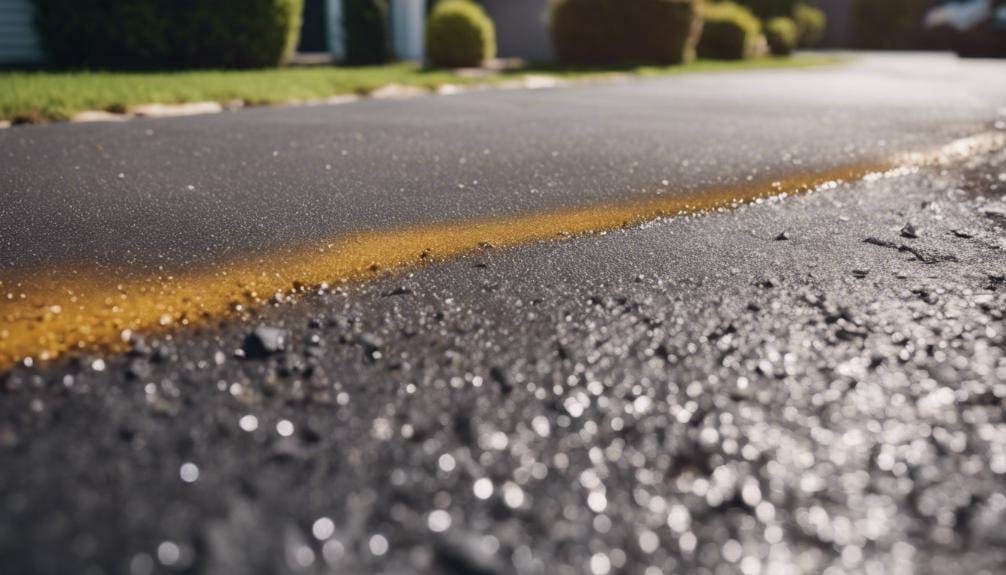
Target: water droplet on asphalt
189,472
439,521
323,528
378,545
284,427
483,488
248,423
168,553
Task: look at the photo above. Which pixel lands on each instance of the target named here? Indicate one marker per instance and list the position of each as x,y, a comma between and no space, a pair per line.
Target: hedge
459,34
137,34
237,33
365,23
768,9
614,32
730,32
887,24
781,34
104,33
984,41
811,24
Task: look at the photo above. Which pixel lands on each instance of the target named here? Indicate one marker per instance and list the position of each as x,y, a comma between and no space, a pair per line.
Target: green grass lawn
46,96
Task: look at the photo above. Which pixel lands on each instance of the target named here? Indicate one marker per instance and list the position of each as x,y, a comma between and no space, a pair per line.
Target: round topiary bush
810,25
781,34
136,34
729,32
237,33
459,34
606,32
365,23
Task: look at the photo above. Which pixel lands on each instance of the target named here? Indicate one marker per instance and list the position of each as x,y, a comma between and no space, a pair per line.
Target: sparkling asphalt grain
703,394
796,386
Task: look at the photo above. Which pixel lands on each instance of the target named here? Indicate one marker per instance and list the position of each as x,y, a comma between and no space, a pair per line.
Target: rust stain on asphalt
47,314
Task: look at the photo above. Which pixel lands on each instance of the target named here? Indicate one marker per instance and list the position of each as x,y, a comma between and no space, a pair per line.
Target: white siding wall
522,28
18,41
408,26
839,32
336,35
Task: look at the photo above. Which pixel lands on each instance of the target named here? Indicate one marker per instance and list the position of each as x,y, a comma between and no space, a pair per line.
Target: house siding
521,28
408,28
19,43
336,34
839,31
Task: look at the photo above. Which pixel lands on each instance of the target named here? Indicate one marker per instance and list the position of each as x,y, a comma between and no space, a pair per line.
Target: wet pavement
810,384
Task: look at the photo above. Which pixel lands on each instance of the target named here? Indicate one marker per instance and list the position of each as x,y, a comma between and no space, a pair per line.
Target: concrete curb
387,92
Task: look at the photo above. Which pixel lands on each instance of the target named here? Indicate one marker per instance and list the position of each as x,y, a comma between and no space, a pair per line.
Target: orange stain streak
47,314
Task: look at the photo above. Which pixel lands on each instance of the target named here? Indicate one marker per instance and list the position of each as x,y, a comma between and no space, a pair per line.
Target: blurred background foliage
200,34
168,34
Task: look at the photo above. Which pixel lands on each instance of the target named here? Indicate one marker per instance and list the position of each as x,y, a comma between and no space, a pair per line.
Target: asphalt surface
810,384
150,195
804,385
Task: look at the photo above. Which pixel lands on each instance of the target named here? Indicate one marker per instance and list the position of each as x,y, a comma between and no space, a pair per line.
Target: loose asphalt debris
646,401
921,255
263,342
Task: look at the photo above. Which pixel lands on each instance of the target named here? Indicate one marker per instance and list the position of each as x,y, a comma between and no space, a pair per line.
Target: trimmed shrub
941,38
811,23
985,40
781,34
988,40
135,34
365,23
768,9
237,33
887,24
105,33
606,32
459,34
730,32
